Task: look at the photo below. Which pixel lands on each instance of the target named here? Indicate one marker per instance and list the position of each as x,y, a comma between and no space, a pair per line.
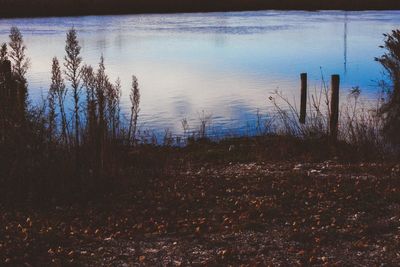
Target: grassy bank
24,8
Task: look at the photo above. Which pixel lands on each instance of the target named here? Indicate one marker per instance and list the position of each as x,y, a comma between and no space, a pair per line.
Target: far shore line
64,8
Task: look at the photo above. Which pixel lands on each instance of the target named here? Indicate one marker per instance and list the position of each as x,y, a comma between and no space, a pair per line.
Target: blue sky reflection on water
225,64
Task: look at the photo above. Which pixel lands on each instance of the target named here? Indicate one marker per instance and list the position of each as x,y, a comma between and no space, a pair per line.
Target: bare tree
73,74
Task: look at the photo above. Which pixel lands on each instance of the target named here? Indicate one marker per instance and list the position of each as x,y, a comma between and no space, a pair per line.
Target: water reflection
345,43
223,63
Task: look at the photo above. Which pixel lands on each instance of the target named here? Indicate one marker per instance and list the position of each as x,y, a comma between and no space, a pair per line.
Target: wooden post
334,116
303,101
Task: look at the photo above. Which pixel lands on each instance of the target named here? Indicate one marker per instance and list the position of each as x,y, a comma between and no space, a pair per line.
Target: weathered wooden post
303,101
334,116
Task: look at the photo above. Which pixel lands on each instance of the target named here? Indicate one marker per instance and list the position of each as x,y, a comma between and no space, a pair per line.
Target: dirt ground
250,214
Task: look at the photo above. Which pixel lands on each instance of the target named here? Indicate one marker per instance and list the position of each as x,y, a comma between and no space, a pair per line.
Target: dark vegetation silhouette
49,153
25,8
390,110
134,97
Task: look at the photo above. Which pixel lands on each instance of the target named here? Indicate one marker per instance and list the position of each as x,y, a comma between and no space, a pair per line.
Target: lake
221,64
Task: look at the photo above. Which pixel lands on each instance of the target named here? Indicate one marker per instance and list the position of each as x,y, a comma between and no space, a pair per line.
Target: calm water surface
224,64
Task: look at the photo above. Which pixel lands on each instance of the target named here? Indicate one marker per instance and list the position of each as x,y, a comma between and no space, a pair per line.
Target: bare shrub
17,54
390,110
72,64
3,52
135,101
59,92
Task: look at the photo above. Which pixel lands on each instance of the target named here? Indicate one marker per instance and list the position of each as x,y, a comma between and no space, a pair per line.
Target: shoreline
63,8
193,12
